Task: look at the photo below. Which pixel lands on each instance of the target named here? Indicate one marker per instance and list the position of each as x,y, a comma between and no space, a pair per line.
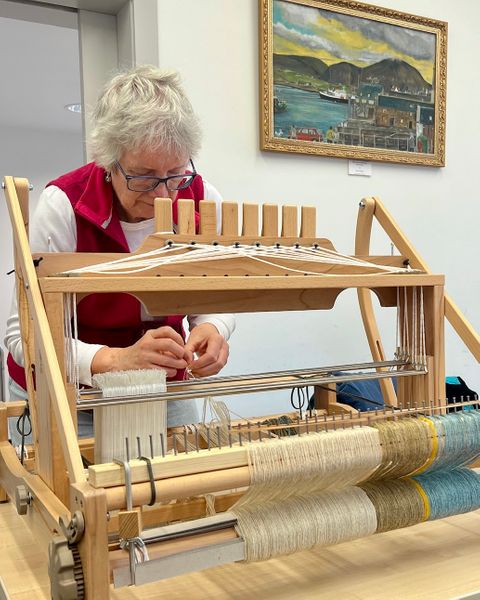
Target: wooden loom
93,510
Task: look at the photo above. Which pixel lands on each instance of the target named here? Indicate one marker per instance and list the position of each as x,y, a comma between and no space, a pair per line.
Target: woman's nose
161,191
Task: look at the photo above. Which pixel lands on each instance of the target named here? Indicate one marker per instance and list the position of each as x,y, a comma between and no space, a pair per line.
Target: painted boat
334,96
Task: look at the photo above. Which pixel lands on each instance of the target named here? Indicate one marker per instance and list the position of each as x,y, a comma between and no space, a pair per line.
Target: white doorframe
112,34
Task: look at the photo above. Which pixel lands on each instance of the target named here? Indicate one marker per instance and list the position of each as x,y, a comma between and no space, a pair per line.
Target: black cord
20,426
86,463
301,397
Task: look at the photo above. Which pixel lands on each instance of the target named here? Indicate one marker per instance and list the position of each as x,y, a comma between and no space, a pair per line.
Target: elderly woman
144,136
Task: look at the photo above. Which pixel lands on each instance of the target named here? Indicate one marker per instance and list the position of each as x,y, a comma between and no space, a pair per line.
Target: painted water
306,109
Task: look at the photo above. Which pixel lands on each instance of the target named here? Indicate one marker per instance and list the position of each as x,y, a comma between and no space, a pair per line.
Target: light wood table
432,561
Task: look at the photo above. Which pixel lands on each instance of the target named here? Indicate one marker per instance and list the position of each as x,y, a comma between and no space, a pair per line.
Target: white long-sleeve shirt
53,229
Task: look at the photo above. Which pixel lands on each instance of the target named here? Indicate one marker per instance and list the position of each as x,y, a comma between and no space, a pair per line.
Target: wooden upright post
51,462
93,546
362,247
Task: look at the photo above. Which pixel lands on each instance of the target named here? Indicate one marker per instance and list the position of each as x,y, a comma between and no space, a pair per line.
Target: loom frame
59,495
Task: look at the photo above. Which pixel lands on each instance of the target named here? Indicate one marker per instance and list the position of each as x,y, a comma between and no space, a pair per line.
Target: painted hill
303,65
393,72
343,73
390,73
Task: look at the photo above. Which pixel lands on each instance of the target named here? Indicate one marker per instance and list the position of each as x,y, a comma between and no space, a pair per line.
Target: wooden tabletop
432,561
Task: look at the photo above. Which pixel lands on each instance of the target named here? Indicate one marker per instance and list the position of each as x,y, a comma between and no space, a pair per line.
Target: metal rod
297,372
199,391
162,444
191,530
292,372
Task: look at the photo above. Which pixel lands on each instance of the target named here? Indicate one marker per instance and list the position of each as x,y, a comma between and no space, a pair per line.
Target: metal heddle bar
219,386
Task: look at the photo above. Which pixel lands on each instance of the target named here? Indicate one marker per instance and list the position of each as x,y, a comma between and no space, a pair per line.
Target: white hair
143,107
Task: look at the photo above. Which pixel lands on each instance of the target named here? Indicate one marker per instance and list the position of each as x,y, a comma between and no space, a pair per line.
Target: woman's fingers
166,332
213,359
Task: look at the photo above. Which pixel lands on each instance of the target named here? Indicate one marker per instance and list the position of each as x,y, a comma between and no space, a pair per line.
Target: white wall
40,155
214,44
39,139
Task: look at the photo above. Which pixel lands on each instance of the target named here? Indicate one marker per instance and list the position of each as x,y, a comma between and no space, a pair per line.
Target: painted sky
334,37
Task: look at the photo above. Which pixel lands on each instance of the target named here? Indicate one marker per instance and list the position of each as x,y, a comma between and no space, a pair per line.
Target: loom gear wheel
65,571
22,499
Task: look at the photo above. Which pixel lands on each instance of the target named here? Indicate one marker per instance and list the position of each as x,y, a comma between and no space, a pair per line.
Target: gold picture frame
352,80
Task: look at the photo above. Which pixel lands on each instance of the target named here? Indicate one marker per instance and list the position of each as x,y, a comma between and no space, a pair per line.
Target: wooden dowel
180,487
111,474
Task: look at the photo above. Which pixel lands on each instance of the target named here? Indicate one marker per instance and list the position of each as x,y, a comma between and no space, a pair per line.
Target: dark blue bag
366,395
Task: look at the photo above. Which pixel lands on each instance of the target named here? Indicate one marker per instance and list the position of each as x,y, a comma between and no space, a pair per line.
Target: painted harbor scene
343,79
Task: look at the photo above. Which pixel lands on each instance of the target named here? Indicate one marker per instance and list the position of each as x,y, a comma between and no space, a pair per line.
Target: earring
108,176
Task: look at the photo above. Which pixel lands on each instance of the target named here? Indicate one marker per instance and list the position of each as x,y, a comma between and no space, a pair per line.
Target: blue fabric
362,395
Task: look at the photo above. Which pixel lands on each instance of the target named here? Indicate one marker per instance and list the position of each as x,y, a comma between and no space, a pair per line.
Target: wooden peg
230,218
308,227
289,221
163,215
129,524
270,220
250,220
208,217
186,217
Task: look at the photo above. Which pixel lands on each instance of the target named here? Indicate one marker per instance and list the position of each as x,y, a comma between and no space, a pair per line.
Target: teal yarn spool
458,439
450,492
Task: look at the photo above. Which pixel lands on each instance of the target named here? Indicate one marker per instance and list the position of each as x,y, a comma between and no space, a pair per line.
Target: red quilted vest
108,319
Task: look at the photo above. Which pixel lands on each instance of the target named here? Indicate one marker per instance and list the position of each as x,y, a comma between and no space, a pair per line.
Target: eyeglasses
146,183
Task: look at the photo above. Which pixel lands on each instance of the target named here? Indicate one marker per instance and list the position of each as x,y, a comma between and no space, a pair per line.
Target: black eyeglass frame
191,176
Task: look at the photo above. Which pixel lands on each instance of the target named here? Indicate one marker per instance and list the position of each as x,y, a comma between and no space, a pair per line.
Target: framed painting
352,80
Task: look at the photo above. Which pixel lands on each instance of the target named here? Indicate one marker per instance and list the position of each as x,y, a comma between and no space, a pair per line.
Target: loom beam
58,482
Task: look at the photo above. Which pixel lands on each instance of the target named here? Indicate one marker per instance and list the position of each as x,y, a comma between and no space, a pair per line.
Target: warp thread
298,523
308,463
141,424
318,502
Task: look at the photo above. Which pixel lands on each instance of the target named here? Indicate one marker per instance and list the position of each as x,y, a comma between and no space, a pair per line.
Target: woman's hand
210,347
161,348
